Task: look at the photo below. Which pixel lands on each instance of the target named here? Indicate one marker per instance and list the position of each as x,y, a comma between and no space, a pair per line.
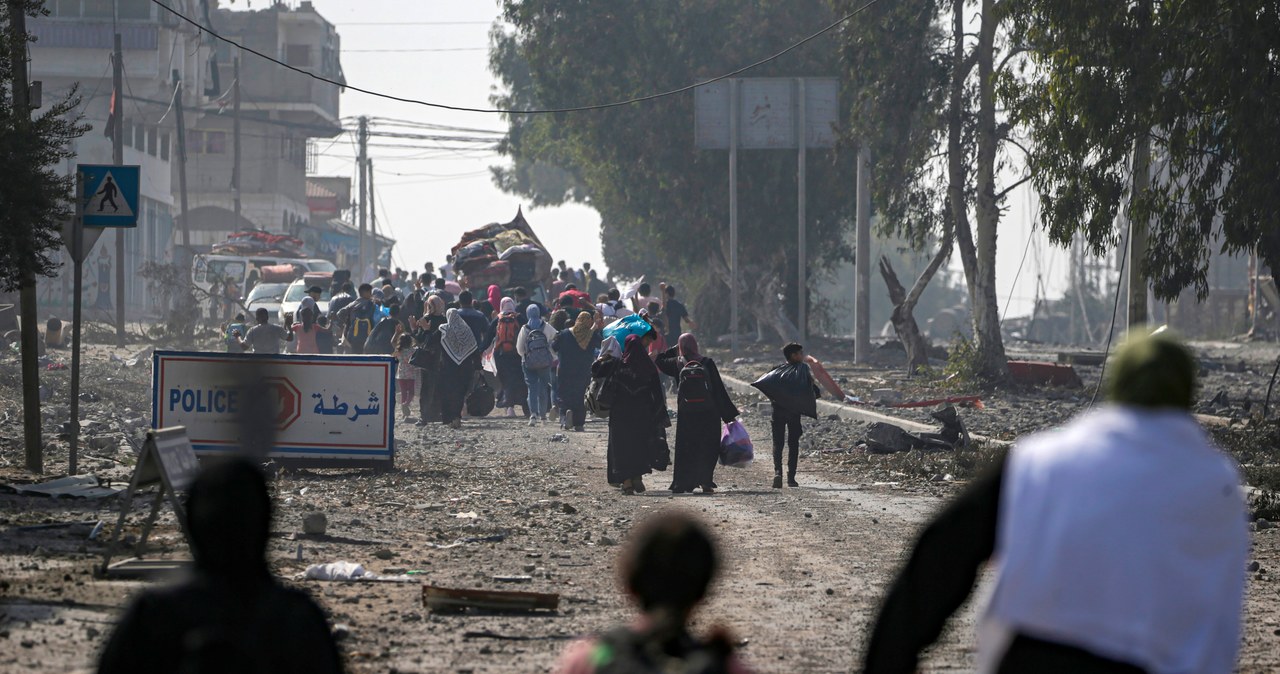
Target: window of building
65,8
195,141
153,141
99,9
164,147
139,137
135,9
298,55
215,142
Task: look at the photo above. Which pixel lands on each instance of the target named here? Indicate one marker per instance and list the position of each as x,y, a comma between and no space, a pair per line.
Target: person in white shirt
1119,541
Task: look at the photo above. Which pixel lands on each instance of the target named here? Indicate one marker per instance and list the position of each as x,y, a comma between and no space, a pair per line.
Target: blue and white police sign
110,196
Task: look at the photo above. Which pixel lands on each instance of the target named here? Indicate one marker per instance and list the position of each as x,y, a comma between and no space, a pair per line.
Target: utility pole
27,293
235,133
802,289
733,217
373,213
1138,234
363,170
178,95
117,158
862,261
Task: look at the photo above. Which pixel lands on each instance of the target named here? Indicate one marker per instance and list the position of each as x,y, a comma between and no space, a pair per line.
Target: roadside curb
865,415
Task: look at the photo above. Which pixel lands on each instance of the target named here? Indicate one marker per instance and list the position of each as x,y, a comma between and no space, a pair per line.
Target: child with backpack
666,569
534,347
702,404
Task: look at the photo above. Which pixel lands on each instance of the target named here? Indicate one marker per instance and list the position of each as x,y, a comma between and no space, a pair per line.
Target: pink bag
735,446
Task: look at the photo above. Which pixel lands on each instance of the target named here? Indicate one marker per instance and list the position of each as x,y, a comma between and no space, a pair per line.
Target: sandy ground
804,569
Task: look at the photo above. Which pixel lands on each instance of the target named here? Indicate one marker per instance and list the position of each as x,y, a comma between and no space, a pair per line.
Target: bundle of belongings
258,242
501,254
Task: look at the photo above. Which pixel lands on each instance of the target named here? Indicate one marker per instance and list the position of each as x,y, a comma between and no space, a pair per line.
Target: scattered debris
315,524
442,599
75,486
1035,372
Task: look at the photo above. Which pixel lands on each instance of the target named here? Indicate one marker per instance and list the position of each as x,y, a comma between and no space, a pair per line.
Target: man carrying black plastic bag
791,389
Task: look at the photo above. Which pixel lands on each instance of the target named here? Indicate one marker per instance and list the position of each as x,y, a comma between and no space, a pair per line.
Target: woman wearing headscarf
494,297
638,417
504,331
576,348
428,383
702,403
534,347
459,361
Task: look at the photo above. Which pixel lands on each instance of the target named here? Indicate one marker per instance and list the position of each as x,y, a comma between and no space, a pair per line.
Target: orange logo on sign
287,403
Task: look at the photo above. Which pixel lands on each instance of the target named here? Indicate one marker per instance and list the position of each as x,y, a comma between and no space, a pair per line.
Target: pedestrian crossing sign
110,197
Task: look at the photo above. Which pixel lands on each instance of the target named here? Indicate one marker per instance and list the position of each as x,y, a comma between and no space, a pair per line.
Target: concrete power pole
235,133
1137,290
182,164
862,262
363,167
117,158
27,294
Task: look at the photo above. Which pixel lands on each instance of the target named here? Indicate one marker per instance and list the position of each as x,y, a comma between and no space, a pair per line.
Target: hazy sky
428,201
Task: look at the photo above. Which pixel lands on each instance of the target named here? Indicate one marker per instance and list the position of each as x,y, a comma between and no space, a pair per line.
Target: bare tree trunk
904,304
957,166
986,306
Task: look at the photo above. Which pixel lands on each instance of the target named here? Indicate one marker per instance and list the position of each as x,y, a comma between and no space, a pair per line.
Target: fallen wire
1124,255
1266,406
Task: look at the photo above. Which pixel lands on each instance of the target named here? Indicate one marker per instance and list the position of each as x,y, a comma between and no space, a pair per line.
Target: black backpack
623,651
694,391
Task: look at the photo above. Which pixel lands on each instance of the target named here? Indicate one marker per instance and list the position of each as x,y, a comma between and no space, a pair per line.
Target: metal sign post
766,113
79,243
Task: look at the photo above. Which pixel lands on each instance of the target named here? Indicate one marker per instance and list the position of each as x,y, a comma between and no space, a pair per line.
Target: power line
411,51
580,108
413,23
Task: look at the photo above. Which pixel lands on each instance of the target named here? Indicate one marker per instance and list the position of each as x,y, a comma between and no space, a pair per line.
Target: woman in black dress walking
638,416
702,404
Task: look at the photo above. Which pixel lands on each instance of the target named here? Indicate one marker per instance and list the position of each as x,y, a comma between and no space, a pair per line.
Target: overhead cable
580,108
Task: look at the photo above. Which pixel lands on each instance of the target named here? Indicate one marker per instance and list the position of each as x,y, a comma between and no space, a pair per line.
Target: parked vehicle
267,296
298,290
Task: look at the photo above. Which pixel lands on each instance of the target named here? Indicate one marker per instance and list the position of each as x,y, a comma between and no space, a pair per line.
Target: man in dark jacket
231,616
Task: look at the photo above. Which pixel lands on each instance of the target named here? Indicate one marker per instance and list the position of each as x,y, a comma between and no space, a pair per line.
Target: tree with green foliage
664,203
36,196
1197,82
924,94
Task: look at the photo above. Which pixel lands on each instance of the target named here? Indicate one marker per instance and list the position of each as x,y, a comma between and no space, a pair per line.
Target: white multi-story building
73,47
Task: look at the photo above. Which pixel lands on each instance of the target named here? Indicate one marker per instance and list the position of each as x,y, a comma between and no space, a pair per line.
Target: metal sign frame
173,467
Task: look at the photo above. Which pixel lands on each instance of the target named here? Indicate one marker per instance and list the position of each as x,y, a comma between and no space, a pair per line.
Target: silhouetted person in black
109,192
231,616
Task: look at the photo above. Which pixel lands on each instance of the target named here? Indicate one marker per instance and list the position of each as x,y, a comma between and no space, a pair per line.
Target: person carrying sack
793,393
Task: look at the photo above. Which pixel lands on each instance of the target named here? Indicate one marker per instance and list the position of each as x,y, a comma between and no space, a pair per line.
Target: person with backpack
666,569
575,348
357,319
229,614
702,403
382,338
505,331
534,347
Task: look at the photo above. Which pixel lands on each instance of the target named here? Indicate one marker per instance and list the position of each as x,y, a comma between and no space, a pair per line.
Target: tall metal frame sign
767,113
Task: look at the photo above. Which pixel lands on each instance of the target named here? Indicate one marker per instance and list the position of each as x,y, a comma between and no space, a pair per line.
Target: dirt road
804,568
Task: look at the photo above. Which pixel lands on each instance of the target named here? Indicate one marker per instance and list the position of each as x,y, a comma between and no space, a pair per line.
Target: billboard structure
766,113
